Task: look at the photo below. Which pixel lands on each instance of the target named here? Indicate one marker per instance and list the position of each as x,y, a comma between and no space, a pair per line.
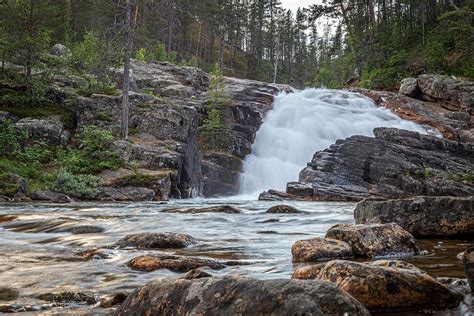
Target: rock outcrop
167,108
445,103
49,131
393,164
422,216
375,240
155,241
320,249
240,296
382,288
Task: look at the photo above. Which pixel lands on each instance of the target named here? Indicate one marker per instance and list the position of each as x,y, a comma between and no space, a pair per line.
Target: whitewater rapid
302,123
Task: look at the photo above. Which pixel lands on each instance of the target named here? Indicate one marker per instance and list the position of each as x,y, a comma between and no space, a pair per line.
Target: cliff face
167,108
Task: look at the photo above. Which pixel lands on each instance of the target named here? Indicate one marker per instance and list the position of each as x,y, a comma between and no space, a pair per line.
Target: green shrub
9,139
75,185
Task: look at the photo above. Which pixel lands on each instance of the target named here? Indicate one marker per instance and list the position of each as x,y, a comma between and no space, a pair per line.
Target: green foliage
93,155
215,130
140,54
9,139
75,185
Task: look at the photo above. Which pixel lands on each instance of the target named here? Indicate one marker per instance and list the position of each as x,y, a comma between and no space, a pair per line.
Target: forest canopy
371,43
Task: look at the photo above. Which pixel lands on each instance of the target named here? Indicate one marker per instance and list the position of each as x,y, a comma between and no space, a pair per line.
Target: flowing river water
38,241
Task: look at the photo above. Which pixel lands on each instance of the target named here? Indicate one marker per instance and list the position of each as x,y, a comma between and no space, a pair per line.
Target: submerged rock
90,254
460,286
197,274
155,241
240,296
211,209
172,263
468,260
116,299
320,249
381,288
422,216
283,209
70,298
8,294
376,240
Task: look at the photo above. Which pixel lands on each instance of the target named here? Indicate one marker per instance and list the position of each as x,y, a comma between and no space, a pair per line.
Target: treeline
372,43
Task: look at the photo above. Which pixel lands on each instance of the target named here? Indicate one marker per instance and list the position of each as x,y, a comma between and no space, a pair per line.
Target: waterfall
302,123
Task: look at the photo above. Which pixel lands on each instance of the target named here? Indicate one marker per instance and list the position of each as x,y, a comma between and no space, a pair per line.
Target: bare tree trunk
126,75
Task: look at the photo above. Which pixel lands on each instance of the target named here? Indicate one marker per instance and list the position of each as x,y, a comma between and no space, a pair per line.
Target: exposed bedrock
240,296
443,102
393,164
422,216
383,286
167,108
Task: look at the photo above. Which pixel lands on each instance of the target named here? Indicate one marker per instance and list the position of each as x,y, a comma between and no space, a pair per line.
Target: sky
294,4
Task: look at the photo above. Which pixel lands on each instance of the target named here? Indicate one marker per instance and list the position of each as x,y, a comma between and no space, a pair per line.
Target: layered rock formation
393,164
422,216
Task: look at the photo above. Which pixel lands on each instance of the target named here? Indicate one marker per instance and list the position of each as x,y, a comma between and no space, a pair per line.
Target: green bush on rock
74,185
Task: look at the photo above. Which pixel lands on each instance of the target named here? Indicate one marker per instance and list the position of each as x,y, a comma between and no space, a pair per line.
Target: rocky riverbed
47,249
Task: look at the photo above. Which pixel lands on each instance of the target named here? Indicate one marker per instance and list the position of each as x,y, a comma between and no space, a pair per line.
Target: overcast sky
294,4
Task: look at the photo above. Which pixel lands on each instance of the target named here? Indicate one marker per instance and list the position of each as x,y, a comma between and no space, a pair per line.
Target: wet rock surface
155,241
197,274
70,297
240,296
8,294
375,240
113,300
51,197
422,216
468,260
283,209
212,209
320,249
381,288
393,164
172,263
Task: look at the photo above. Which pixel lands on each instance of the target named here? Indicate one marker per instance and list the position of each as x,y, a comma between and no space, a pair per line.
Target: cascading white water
302,123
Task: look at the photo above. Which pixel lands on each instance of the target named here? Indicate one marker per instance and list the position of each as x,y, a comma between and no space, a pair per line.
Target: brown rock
156,241
376,240
284,209
90,254
212,209
381,288
197,274
173,263
320,249
113,300
240,296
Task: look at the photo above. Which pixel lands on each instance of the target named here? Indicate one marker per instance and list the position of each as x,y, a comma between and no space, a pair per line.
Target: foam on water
302,123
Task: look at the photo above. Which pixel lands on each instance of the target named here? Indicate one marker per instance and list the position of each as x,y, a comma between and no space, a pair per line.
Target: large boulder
422,216
382,288
172,263
320,249
60,51
50,196
240,296
283,209
409,87
376,240
393,164
155,241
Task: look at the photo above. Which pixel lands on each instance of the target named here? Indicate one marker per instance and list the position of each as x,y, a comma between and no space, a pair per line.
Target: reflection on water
37,242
